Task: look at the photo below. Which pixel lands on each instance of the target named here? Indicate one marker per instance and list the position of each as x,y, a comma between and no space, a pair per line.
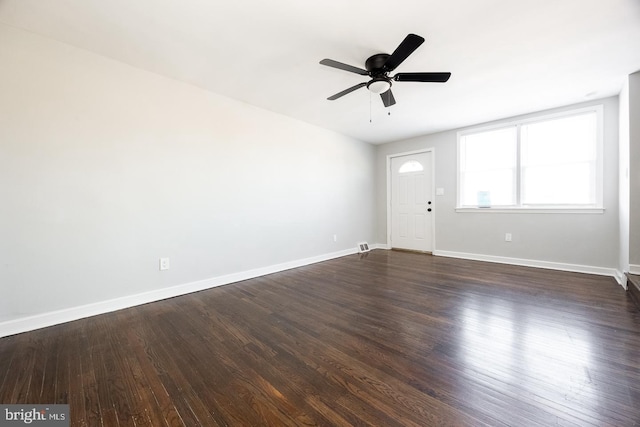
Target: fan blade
346,91
387,98
345,67
402,52
422,77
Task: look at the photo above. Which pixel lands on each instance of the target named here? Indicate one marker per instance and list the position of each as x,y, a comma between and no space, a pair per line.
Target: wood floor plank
22,372
387,338
91,402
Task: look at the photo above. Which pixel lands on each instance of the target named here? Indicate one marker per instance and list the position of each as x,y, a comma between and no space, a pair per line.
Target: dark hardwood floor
633,290
385,339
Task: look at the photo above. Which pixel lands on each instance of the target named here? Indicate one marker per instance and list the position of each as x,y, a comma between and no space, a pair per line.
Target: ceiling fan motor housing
375,64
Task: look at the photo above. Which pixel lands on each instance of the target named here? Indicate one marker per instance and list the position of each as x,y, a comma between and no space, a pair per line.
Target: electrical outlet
164,263
335,237
507,237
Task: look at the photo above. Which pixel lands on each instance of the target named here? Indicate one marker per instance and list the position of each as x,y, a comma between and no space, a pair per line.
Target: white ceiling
507,57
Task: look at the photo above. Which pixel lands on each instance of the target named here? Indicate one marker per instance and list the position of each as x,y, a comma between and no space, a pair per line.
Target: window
549,162
411,166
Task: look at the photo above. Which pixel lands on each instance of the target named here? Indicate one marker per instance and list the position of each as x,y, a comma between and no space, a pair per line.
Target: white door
412,202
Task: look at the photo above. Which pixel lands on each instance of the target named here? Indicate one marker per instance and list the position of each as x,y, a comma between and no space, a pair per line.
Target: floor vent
363,247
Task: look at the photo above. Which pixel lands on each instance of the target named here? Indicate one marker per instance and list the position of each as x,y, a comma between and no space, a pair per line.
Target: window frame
597,207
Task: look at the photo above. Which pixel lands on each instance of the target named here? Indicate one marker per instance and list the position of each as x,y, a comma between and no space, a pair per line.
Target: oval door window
411,166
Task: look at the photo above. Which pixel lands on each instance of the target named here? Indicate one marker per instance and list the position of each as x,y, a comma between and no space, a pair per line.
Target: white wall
623,179
634,171
589,240
105,168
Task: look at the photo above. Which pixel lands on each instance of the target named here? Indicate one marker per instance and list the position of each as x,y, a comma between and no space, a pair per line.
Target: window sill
545,210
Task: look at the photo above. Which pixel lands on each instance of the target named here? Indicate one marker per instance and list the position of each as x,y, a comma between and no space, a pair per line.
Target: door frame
431,150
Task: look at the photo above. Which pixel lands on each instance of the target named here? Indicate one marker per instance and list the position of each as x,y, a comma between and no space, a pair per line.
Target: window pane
411,166
499,184
559,161
488,164
558,185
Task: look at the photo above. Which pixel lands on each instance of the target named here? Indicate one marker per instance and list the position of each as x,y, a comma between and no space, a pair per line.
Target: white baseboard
380,246
634,269
16,326
621,278
601,271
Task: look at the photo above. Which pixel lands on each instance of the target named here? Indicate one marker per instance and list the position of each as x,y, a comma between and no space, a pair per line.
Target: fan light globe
379,86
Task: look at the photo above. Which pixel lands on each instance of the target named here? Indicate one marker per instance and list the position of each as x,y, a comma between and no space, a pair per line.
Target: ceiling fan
380,65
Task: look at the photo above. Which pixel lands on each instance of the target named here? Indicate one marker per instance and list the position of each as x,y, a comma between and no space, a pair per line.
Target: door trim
433,191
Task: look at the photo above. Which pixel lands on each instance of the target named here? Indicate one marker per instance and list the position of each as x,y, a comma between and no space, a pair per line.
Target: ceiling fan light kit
379,85
380,65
